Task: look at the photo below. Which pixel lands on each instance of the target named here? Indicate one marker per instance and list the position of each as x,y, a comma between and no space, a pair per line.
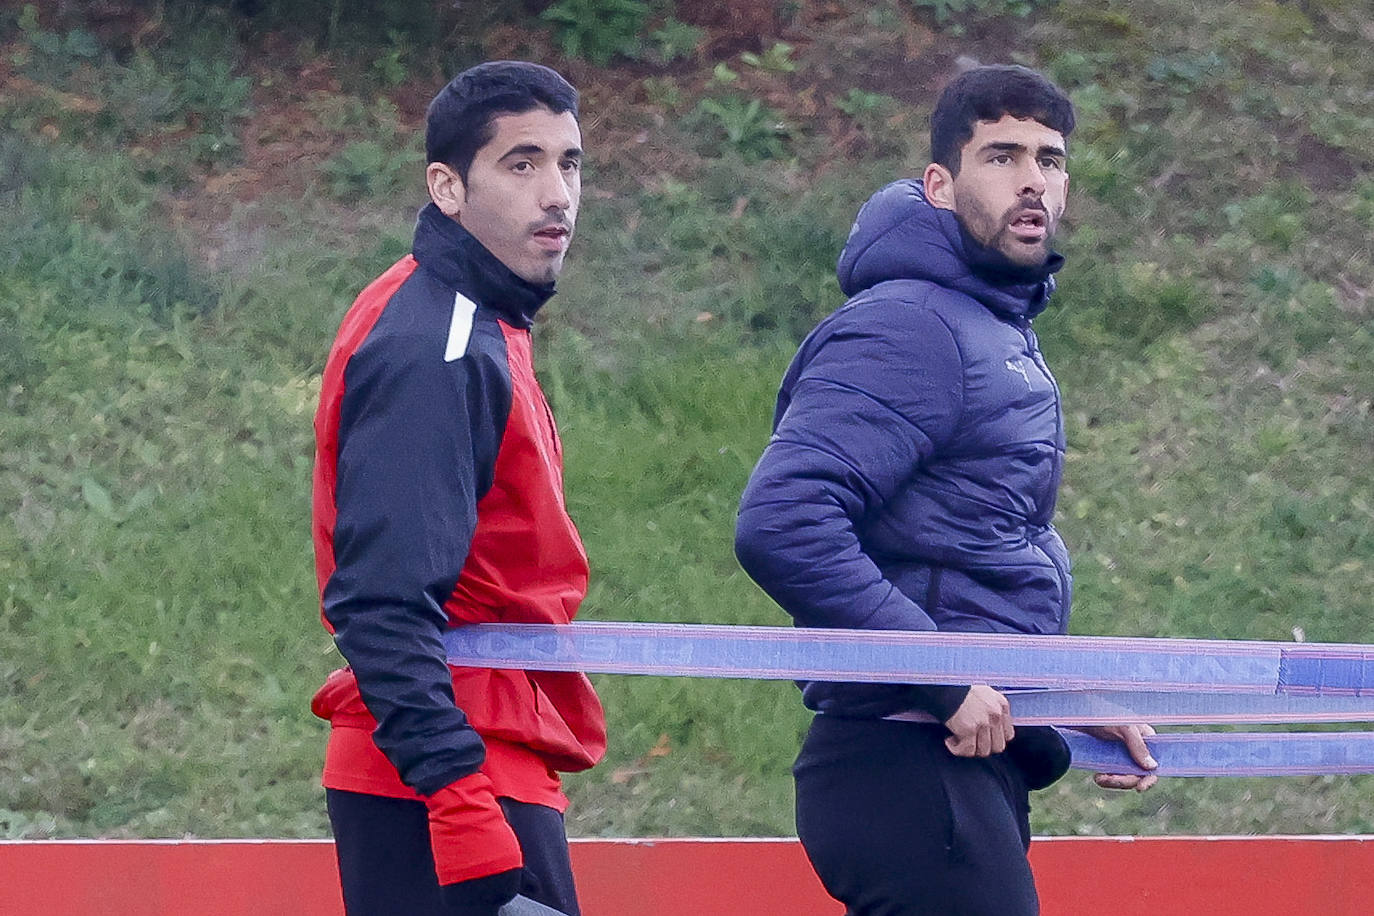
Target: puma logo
1015,365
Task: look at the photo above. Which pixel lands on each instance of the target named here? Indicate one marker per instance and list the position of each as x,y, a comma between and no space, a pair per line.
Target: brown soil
284,142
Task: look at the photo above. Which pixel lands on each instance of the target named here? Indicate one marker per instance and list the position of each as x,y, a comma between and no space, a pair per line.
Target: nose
556,192
1032,181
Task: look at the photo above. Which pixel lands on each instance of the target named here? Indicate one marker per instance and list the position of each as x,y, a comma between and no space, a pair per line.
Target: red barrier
1156,876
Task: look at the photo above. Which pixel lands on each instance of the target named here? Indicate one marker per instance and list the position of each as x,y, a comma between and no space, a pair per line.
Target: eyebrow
534,149
1008,147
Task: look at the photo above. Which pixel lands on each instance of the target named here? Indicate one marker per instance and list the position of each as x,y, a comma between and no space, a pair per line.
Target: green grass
159,637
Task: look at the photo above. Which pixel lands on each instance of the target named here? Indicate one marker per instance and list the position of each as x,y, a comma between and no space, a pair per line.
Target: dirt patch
1324,167
638,139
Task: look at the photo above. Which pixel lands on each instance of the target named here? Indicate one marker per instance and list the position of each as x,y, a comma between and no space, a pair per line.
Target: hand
981,726
471,839
1133,736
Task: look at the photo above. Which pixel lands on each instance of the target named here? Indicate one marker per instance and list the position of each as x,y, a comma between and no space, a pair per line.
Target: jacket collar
1025,289
900,235
452,254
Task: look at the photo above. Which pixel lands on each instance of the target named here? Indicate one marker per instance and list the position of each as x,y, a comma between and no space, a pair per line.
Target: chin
540,275
1028,257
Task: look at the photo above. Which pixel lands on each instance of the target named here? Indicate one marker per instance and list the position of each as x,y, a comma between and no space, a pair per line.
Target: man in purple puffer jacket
910,484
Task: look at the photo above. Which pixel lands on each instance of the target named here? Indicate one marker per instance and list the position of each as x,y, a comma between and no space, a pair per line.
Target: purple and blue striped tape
1234,753
1052,680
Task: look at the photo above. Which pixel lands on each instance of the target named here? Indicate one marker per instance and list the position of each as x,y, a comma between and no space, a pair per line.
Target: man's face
522,191
1011,187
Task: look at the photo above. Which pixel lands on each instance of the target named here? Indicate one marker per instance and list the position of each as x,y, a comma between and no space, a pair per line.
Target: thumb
1139,750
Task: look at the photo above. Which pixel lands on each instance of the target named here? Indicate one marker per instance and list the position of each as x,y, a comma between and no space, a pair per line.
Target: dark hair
459,120
988,94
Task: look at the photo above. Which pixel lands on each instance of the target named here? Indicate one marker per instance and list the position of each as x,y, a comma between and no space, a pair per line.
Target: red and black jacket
438,501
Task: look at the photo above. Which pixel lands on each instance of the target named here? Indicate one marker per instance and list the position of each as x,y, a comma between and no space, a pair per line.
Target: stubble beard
995,232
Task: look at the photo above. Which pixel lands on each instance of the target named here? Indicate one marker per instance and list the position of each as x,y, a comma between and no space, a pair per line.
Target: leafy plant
675,39
598,30
878,116
662,92
53,55
140,96
752,129
212,147
722,75
390,65
208,88
365,168
1274,218
954,13
777,59
1185,72
212,98
858,104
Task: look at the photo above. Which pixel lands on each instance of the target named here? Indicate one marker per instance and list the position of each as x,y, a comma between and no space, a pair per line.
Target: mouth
552,238
1029,226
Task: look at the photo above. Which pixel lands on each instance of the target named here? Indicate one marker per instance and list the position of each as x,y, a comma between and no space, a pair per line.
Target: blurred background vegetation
193,192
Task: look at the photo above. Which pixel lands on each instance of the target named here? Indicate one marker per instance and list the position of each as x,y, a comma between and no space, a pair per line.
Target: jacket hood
899,235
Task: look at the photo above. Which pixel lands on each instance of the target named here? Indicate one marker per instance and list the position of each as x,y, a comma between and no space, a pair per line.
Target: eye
570,165
523,166
1001,159
1050,162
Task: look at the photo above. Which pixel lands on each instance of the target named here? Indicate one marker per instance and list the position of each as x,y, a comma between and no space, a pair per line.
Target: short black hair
988,94
459,120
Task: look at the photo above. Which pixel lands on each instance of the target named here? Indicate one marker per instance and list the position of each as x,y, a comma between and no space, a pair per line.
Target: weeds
954,15
598,30
1273,219
158,617
777,59
662,92
86,243
676,40
370,168
750,128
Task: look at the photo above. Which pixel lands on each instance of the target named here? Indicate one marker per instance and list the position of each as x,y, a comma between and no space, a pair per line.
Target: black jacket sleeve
418,438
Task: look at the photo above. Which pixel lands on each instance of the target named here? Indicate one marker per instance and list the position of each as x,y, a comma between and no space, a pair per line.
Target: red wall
1161,876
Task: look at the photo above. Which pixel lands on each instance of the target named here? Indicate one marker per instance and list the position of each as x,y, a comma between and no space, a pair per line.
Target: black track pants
386,867
895,825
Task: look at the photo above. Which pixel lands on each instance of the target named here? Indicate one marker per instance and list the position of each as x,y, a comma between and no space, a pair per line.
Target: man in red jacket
438,502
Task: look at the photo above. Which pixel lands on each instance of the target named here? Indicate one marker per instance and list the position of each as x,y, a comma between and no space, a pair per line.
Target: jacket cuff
940,700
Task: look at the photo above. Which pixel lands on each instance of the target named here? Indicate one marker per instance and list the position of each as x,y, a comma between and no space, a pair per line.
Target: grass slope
183,229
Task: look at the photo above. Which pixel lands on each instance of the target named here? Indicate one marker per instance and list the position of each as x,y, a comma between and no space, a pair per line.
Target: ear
446,189
939,186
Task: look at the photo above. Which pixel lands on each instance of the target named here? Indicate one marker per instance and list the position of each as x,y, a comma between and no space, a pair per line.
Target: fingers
982,725
1124,781
1134,738
975,744
983,742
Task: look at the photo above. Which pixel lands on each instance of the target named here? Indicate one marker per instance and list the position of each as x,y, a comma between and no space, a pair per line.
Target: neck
443,246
